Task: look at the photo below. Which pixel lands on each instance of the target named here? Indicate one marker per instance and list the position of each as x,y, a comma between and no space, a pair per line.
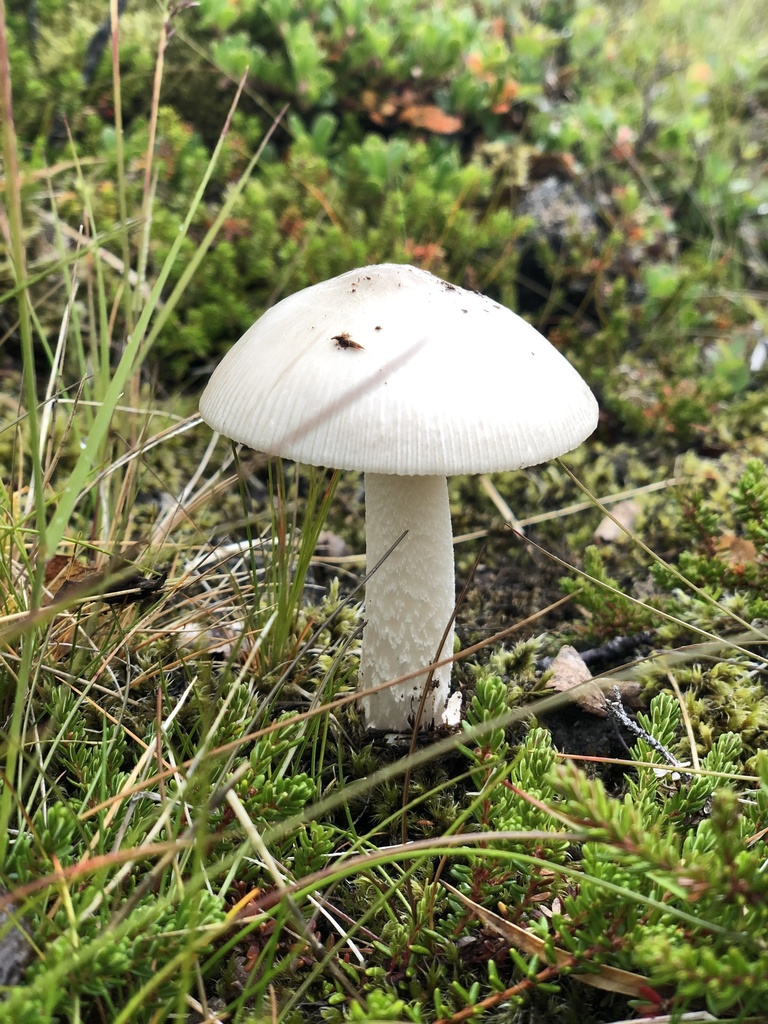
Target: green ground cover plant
194,824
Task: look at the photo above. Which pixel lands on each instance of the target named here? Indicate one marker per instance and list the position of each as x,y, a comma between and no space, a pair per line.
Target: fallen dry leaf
610,532
609,979
64,572
569,671
67,578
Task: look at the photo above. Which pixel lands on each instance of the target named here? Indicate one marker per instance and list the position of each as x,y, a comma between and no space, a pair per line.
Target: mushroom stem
409,599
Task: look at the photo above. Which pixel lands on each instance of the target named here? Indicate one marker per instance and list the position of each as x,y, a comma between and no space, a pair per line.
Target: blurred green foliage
412,134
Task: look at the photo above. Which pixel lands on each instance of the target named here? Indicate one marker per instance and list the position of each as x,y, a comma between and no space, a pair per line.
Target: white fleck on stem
409,599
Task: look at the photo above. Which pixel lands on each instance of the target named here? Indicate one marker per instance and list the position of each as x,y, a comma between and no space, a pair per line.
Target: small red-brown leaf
736,550
431,118
426,254
507,96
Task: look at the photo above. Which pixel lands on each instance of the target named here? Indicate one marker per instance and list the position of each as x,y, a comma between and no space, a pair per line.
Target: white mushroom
394,372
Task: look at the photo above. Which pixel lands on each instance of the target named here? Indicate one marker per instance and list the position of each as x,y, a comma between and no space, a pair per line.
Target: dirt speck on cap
344,341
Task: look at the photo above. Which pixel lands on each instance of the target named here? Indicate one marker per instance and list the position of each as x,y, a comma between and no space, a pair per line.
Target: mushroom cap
389,369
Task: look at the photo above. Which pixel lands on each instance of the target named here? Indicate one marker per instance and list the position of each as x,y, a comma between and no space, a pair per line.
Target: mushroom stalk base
409,600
